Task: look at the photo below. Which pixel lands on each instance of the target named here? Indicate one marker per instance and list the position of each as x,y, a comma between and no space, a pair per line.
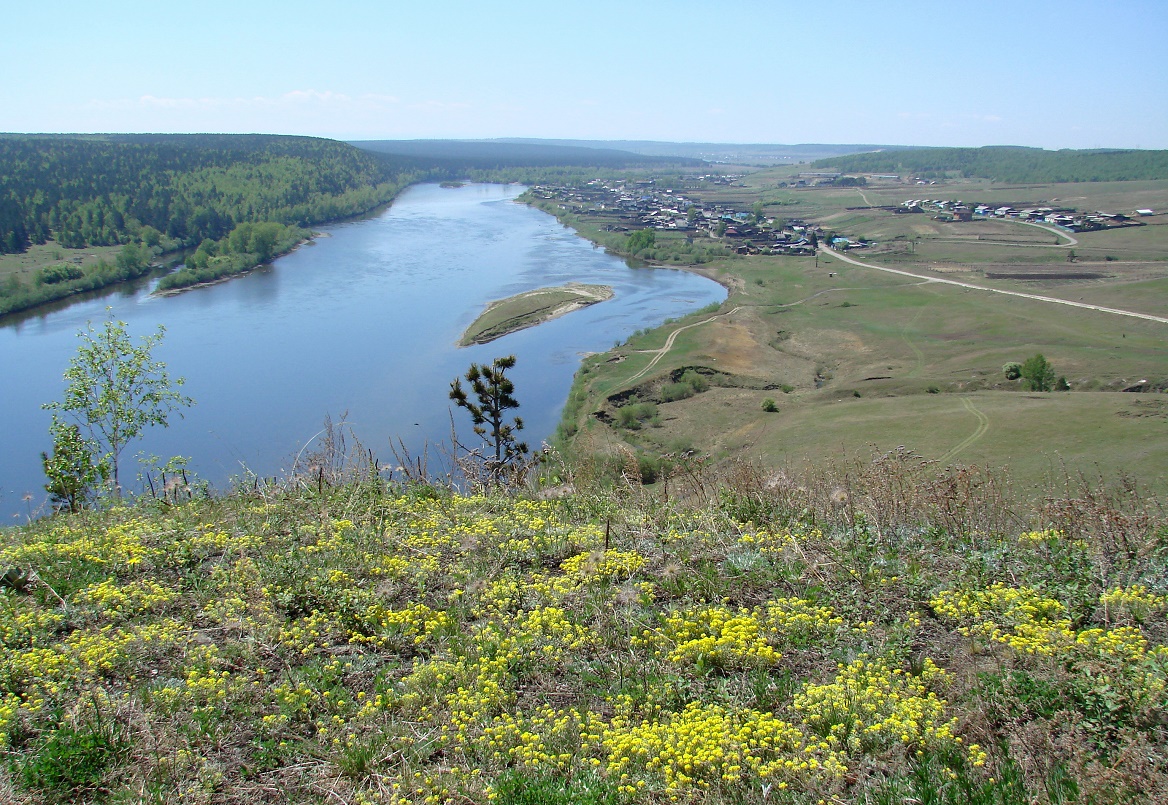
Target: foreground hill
885,633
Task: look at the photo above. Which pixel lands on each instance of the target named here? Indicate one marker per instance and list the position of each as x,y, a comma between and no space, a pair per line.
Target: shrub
769,406
74,760
676,391
632,416
1012,370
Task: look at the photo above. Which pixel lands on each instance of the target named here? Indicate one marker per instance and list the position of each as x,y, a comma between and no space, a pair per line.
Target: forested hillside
105,190
465,156
1009,164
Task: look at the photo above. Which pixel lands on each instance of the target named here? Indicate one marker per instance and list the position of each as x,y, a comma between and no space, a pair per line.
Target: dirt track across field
1037,297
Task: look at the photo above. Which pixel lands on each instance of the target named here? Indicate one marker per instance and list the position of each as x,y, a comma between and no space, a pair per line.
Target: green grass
27,265
928,345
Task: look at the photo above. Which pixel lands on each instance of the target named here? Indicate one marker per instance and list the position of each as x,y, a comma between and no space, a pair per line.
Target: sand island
530,308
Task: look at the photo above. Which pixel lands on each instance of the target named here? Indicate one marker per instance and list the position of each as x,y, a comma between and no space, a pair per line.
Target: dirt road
970,285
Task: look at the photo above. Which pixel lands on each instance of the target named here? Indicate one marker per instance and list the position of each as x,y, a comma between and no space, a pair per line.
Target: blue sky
1064,74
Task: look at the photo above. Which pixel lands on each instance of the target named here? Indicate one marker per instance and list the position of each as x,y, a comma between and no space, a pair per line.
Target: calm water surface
363,321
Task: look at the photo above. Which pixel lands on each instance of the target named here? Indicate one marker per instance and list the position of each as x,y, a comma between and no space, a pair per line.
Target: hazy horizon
1068,75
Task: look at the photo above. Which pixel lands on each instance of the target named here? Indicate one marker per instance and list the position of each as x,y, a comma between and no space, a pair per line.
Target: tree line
1009,164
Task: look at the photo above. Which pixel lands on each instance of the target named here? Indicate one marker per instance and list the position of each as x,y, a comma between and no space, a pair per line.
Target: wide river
363,321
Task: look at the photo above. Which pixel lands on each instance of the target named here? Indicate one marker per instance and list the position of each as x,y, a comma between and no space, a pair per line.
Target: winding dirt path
658,354
1052,299
983,425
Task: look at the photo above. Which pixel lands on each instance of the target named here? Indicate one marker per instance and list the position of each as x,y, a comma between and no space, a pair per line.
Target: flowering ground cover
367,644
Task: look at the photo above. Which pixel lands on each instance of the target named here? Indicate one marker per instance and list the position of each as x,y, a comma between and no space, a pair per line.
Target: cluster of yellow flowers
776,541
381,625
125,600
120,545
707,744
1135,600
1020,617
604,565
1042,535
714,636
1034,624
871,704
22,627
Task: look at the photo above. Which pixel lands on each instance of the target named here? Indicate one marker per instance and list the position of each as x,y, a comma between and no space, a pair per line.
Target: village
631,206
1065,218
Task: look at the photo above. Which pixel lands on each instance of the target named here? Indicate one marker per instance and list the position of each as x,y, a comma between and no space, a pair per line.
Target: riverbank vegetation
247,246
59,280
168,192
531,308
881,631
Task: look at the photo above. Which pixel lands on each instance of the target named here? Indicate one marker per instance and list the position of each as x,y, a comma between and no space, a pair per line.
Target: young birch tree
115,390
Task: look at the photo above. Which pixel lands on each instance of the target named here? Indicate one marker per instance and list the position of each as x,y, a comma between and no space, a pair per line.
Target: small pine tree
494,393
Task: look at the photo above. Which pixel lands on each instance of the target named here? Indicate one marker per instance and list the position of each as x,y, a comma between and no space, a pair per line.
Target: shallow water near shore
365,321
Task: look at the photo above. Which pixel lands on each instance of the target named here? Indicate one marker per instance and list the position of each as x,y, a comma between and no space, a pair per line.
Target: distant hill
502,154
736,153
1009,164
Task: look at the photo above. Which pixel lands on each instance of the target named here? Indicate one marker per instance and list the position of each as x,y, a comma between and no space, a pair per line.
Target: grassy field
530,308
857,360
26,265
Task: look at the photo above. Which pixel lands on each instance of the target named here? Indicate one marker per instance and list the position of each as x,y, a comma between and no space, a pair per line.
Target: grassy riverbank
813,359
531,308
879,632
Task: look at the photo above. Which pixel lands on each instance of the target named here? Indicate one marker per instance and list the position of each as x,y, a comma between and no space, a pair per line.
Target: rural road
1071,241
1055,300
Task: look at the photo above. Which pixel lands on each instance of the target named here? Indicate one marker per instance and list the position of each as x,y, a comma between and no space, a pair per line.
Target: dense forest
106,190
1009,164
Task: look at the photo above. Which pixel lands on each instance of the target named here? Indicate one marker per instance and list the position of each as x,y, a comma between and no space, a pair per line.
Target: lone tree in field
1038,374
115,390
493,397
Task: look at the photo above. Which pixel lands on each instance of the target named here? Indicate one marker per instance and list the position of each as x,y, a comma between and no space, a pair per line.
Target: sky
1067,74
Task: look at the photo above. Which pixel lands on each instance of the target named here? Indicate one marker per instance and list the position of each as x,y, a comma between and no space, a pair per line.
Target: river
363,321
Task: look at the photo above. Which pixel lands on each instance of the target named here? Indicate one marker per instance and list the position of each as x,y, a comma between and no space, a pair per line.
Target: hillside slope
888,632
